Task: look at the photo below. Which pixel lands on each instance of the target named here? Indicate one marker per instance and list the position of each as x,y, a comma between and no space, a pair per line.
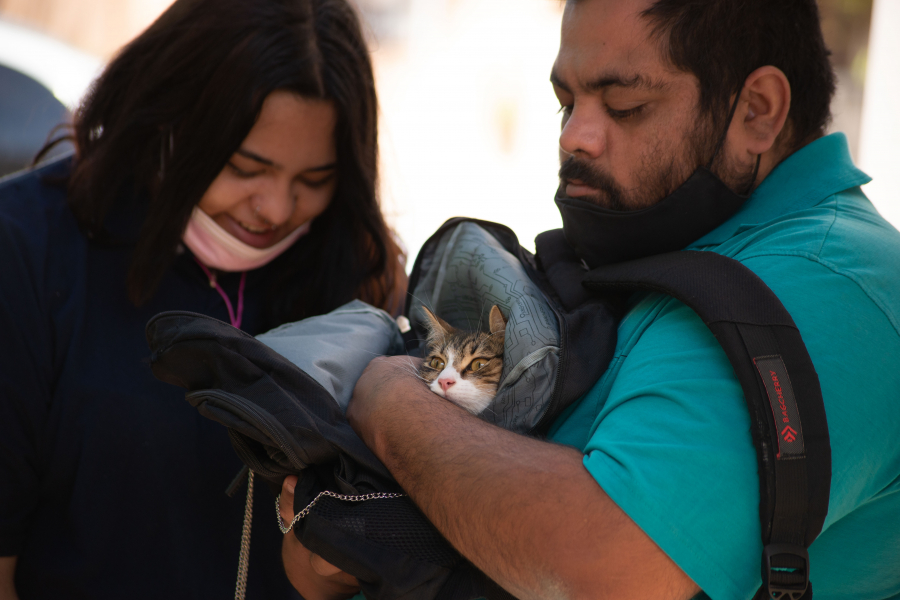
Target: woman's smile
258,235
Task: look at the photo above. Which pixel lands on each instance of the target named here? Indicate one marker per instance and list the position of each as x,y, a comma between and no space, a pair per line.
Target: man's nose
446,383
583,132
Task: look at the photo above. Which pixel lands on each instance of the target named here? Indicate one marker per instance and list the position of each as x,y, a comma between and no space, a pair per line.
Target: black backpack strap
781,388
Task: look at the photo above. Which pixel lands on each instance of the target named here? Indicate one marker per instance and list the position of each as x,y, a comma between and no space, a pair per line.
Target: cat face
462,366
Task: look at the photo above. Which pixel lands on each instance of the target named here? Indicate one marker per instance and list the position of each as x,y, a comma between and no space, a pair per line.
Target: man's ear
762,111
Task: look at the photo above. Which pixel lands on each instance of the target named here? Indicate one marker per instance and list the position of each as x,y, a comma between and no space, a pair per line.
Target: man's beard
659,176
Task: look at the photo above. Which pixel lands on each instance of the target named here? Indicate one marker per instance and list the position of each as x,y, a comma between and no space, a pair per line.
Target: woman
226,165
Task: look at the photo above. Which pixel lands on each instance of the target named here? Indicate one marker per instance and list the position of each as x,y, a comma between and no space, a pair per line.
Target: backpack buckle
785,571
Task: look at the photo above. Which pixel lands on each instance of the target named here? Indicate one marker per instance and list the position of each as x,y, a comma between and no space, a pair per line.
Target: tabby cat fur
464,366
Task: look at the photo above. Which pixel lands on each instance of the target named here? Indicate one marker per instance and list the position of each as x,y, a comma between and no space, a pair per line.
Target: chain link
240,589
346,498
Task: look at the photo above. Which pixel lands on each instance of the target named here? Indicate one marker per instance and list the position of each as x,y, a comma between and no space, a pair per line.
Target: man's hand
524,511
375,390
313,577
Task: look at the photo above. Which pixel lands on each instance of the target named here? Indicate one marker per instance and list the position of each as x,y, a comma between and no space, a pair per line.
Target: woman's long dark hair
174,105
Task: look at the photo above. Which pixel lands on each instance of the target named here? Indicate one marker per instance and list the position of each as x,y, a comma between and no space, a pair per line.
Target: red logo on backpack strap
776,385
789,434
785,412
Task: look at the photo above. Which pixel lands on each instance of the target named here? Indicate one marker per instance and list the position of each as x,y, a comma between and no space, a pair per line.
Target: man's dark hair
723,41
169,111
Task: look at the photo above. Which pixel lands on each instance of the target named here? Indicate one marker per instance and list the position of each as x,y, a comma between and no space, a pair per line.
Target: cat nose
446,382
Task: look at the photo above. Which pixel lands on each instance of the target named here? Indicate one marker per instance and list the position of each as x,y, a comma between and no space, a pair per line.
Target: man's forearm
7,578
477,484
526,512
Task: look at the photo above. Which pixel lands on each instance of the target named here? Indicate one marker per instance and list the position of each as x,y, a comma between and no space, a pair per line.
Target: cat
464,366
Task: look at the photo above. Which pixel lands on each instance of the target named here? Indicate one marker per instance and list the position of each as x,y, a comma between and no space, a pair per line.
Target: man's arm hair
524,511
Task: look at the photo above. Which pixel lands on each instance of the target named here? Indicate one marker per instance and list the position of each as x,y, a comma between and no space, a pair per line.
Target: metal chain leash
305,511
244,559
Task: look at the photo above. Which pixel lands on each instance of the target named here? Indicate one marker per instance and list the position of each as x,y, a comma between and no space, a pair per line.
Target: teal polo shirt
665,431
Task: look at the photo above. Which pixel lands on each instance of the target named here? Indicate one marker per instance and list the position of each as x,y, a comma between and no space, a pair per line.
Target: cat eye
478,363
436,363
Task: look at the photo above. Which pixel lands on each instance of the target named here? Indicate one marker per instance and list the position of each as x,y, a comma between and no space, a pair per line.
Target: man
648,485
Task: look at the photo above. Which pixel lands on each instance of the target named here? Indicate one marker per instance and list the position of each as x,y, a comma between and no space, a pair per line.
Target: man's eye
621,115
478,363
436,363
564,110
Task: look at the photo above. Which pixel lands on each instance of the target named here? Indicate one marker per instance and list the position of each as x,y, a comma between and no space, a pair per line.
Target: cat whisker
412,368
411,360
481,313
489,409
375,354
429,305
416,375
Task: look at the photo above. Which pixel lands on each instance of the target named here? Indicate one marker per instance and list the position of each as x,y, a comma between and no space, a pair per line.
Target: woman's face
282,175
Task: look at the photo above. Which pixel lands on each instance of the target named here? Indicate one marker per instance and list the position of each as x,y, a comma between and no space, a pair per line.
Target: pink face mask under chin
218,249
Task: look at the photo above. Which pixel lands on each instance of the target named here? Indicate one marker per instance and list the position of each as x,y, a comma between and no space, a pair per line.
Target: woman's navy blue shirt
111,485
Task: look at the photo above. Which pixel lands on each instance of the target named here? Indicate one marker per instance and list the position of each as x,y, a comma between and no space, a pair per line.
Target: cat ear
436,325
497,320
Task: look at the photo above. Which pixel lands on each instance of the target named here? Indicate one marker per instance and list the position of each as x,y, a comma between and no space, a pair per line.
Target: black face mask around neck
602,236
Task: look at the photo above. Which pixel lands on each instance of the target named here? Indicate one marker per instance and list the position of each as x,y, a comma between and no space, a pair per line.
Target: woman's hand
313,577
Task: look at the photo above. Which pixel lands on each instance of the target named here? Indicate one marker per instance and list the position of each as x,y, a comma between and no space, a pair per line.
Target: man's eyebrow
635,81
558,82
608,80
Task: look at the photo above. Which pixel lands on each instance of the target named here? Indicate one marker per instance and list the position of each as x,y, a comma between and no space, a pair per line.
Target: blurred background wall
469,121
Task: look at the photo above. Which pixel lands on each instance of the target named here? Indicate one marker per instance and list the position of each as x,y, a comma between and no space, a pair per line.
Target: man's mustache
572,168
609,194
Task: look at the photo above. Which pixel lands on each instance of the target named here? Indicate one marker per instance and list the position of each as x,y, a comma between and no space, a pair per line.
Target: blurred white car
41,82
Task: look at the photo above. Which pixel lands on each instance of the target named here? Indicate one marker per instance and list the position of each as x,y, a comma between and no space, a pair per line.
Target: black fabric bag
564,319
281,422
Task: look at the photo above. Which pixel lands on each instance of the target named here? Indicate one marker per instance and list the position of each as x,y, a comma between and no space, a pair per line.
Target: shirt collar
802,180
